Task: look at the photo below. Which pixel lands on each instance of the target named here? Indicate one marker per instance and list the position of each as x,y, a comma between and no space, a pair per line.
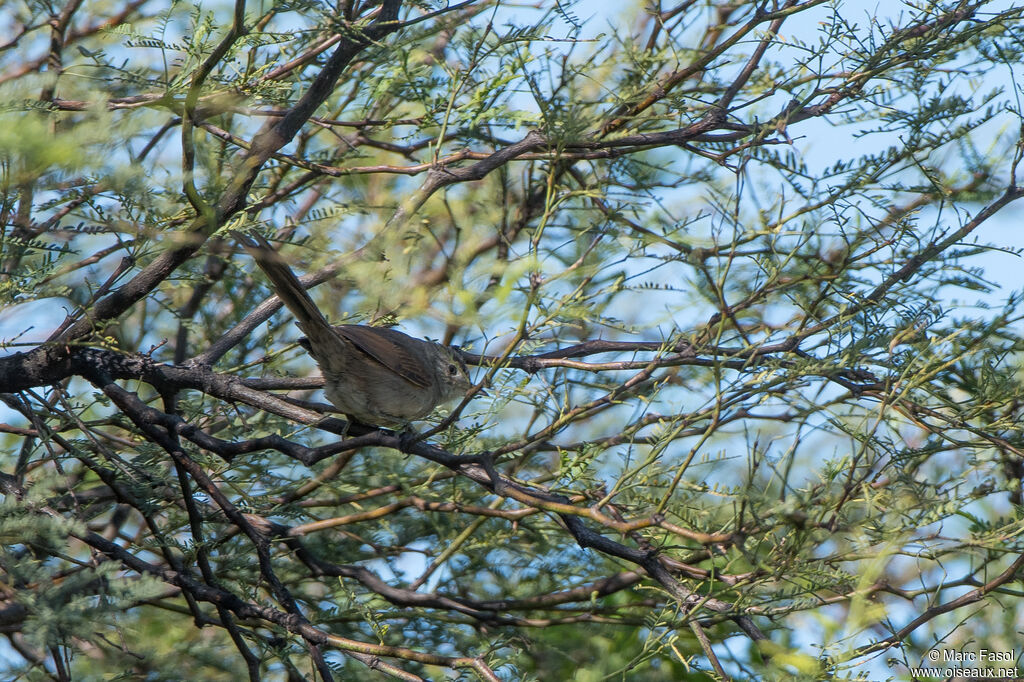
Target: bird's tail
288,288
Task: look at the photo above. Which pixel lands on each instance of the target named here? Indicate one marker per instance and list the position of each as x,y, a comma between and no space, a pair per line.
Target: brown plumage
374,375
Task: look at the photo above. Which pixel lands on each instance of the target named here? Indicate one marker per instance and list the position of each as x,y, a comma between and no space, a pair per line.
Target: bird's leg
407,438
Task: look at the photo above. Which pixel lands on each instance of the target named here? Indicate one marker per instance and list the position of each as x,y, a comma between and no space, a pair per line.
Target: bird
374,375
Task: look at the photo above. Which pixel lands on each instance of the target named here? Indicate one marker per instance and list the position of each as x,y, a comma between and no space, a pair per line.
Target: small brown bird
374,375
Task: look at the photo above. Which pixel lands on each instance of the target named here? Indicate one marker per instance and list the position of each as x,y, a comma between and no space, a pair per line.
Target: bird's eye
453,370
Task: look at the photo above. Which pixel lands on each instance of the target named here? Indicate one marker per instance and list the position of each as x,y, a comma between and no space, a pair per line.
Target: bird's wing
390,348
386,347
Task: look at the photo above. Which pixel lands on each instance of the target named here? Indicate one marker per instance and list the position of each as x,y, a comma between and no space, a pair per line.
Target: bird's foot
407,439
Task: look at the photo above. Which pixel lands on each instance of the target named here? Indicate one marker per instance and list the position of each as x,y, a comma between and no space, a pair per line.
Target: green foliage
754,397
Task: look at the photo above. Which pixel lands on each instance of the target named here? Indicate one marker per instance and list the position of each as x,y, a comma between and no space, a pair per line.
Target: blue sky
819,144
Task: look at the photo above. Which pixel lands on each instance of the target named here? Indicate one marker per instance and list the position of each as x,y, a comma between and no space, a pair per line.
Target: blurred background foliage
741,279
